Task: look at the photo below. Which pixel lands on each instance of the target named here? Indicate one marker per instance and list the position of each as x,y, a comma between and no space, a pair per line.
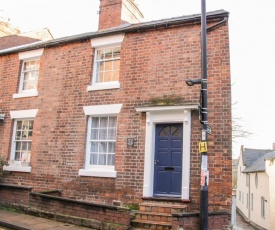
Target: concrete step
162,207
154,216
147,224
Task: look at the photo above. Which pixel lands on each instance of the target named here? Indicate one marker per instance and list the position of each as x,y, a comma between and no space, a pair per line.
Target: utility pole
204,122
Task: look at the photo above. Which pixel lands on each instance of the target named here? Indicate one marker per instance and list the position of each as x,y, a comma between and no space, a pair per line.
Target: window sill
26,94
97,173
17,168
102,86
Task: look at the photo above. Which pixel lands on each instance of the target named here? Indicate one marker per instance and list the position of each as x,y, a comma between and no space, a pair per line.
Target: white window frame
167,114
19,115
98,170
27,56
101,43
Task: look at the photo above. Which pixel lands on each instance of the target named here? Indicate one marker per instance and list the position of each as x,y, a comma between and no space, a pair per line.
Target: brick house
107,117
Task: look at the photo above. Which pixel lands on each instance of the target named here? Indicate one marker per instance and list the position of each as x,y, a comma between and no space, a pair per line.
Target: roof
14,41
259,164
25,38
251,155
125,28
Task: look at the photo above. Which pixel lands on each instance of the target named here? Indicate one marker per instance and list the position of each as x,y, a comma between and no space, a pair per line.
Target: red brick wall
153,64
14,195
99,213
216,221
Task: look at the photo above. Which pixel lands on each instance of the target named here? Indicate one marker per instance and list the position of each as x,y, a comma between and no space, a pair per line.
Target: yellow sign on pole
203,147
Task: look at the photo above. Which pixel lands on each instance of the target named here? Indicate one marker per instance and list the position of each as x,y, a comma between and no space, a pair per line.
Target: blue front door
168,160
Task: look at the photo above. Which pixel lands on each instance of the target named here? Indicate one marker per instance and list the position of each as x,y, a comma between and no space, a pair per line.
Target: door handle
156,161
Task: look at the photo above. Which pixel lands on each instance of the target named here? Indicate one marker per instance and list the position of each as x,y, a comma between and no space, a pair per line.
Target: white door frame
166,114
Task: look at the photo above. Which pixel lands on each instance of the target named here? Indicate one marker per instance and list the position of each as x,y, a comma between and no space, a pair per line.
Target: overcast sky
252,46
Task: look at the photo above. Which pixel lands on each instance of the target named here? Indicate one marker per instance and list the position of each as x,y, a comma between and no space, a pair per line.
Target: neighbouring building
106,119
255,199
11,36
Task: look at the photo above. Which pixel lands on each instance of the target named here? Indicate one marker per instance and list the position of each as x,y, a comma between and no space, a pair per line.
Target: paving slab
19,221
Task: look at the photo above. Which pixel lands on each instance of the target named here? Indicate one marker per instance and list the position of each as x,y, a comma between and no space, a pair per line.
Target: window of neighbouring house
29,73
251,201
106,67
263,207
256,180
240,195
247,179
247,200
101,140
21,146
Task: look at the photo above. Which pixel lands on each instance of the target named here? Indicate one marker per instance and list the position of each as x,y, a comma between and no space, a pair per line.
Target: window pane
116,53
111,159
103,134
108,76
94,147
108,53
102,147
108,65
102,159
19,125
100,77
18,135
95,122
101,66
30,124
17,156
18,146
94,134
93,159
112,134
112,121
24,135
116,64
24,146
100,54
116,75
29,135
103,122
111,147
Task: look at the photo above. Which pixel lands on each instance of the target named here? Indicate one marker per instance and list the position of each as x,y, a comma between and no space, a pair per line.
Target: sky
252,46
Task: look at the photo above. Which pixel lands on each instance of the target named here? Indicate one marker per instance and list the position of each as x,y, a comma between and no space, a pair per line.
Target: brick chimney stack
113,13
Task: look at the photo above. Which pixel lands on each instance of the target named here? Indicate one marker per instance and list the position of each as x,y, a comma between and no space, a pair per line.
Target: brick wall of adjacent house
153,64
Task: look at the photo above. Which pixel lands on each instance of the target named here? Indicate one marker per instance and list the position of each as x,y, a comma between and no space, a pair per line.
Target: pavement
17,221
241,224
